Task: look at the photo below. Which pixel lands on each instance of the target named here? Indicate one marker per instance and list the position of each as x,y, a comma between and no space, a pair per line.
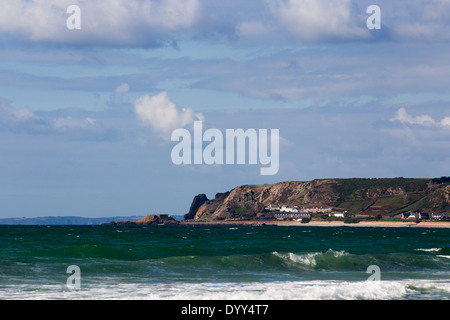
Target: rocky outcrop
151,219
157,219
368,196
198,201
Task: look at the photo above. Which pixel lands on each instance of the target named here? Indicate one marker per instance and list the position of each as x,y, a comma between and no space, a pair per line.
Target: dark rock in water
119,223
157,219
198,201
151,219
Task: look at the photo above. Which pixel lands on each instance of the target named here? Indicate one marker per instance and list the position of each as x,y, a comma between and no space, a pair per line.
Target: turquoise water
224,262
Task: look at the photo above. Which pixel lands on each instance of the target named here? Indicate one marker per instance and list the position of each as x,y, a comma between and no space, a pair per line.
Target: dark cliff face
198,201
358,196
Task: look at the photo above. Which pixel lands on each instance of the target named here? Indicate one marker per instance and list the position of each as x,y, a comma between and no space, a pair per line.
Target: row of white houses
275,207
292,215
302,214
293,212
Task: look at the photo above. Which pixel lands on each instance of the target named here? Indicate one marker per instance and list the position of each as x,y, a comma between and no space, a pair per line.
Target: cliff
359,196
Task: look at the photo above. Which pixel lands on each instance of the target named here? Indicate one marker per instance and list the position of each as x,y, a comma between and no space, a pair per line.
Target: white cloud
319,19
123,88
406,118
68,123
116,22
445,122
423,120
25,120
10,114
149,22
21,114
162,114
119,91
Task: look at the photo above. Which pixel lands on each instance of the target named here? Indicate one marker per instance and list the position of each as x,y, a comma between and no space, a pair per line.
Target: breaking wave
282,290
320,260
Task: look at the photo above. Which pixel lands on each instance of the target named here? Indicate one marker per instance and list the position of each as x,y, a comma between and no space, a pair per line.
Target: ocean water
224,262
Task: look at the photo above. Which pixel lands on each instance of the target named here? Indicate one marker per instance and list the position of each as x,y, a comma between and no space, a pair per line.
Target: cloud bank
27,121
150,23
117,22
319,19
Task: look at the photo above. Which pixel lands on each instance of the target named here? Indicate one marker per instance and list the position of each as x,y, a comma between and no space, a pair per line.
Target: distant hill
371,197
64,220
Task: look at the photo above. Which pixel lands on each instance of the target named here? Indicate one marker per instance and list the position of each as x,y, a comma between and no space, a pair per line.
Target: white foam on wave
282,290
309,259
429,250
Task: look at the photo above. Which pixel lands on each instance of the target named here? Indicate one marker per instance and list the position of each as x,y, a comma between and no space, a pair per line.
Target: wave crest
328,260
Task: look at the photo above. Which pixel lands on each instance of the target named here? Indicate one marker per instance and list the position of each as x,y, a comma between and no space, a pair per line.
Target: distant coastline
72,220
64,220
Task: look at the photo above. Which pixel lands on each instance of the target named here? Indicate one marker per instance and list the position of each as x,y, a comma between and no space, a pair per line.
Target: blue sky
348,101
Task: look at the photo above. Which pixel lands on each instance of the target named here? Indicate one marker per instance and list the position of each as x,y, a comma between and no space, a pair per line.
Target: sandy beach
408,224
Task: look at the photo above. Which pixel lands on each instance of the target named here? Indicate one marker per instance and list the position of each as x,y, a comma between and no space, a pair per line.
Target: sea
193,262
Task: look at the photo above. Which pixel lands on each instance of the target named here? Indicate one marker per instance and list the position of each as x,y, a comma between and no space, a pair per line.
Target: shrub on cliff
351,220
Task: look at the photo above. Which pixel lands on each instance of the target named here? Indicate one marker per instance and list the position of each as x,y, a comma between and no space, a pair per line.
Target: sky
89,98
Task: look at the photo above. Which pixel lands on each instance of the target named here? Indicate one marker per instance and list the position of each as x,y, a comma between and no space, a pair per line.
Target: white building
338,214
292,215
293,209
415,215
437,216
317,210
